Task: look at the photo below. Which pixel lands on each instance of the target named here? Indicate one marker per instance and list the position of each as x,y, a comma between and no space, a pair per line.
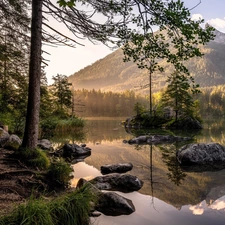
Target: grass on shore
69,209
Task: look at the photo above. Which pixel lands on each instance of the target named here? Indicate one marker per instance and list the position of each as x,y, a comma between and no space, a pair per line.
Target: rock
13,143
188,123
116,168
74,150
138,140
81,182
95,214
209,156
109,203
112,204
157,139
45,144
4,137
117,182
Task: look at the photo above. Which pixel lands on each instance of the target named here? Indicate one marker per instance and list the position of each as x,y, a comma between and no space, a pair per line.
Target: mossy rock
187,123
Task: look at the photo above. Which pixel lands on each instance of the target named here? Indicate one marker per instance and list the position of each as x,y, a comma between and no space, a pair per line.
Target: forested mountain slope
112,74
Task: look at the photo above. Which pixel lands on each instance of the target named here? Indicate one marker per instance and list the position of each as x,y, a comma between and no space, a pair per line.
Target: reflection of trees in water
214,131
105,130
72,135
176,175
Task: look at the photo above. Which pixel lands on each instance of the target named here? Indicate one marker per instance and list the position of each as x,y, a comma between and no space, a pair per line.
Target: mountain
112,74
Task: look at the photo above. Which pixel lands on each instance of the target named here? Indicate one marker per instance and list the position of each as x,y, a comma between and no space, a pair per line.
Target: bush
53,125
33,157
60,172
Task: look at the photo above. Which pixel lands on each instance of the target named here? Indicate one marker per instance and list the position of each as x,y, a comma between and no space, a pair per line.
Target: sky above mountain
66,60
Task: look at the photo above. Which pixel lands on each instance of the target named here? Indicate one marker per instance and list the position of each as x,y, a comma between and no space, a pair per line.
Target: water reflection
175,174
169,195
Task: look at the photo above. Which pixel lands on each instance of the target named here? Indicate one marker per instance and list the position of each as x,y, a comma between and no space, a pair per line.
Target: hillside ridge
111,73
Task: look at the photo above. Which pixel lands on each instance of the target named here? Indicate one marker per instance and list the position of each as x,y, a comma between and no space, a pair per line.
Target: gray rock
74,150
13,143
112,204
116,168
109,203
117,182
4,137
157,139
209,155
45,144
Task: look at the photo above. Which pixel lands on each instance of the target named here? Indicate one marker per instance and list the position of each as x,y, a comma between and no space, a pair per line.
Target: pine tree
62,93
178,94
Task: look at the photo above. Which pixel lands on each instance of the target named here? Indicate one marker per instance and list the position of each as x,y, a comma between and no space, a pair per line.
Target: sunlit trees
179,94
62,94
177,39
169,16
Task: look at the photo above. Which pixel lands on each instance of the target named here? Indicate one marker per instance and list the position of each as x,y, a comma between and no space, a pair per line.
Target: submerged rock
157,139
116,168
117,182
202,156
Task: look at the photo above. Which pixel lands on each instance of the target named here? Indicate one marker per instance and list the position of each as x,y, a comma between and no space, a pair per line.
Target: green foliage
36,158
53,125
64,3
59,172
33,212
74,208
138,108
70,209
178,94
62,93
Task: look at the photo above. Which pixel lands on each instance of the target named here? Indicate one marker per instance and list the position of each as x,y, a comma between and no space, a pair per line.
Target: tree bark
32,119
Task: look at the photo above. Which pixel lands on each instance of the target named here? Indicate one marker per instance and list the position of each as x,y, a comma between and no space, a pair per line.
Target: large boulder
116,168
45,144
209,156
4,137
13,143
157,139
117,182
108,203
73,152
112,204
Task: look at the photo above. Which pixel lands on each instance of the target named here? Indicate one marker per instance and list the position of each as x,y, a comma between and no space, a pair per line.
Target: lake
170,195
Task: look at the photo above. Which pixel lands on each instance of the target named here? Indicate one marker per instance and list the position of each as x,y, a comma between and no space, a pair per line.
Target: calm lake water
169,195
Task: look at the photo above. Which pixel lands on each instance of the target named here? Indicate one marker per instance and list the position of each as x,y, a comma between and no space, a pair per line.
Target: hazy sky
66,60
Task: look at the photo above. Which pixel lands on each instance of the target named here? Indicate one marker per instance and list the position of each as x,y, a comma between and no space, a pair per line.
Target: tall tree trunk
150,92
32,119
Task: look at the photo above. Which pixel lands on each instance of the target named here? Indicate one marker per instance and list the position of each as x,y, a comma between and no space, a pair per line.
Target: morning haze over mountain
112,74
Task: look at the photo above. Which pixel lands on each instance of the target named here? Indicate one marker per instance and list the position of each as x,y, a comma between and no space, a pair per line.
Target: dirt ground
17,182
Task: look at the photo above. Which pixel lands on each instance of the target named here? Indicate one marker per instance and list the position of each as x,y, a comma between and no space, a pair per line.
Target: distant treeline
97,103
211,102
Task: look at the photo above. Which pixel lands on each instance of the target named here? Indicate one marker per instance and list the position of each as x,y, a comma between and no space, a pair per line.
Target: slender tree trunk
150,92
32,119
